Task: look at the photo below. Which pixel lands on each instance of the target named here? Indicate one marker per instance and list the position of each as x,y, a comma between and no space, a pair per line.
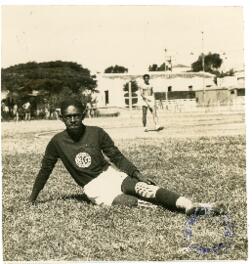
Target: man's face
72,117
146,79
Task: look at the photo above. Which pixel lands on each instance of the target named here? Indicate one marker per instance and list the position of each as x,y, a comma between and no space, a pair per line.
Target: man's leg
155,117
144,115
150,193
131,201
106,190
165,198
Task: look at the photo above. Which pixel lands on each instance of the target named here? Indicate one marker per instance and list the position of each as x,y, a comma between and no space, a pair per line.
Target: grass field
63,227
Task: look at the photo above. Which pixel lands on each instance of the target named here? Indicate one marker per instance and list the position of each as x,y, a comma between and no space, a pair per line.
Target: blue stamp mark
215,247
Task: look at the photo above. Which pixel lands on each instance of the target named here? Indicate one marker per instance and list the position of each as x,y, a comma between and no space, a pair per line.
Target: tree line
53,80
211,63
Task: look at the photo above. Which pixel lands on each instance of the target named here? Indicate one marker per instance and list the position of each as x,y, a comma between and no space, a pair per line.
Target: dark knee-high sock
167,198
155,194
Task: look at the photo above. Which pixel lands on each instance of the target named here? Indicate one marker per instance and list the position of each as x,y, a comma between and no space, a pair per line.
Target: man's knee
128,185
145,190
135,187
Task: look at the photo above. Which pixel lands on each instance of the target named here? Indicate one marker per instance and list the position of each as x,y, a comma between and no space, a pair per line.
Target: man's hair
146,75
74,102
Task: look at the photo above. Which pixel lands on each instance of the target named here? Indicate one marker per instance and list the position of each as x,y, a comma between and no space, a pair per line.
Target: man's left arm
114,154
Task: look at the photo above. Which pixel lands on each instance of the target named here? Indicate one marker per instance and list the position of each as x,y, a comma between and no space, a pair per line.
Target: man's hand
138,175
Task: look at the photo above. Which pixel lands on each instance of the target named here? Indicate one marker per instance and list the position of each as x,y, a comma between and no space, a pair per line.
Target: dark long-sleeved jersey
83,159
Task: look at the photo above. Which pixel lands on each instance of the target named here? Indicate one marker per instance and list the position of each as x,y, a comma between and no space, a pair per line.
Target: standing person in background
93,104
5,111
148,102
15,112
27,110
88,109
47,111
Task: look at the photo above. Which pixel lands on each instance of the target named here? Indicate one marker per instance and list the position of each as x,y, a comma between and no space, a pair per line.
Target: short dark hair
146,75
74,102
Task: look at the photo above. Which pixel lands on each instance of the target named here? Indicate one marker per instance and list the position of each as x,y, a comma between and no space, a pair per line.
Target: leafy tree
52,80
212,63
162,67
134,86
155,67
134,89
116,69
223,74
231,72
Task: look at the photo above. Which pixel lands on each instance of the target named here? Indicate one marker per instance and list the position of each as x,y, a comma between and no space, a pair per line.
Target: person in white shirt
27,110
148,102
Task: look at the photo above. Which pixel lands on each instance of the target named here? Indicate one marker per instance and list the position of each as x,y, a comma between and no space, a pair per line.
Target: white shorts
150,102
104,188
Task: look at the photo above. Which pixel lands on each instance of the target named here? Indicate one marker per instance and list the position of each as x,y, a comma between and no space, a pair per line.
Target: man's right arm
48,163
141,91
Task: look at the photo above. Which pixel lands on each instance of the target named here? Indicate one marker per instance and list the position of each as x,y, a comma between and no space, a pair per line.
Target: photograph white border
247,5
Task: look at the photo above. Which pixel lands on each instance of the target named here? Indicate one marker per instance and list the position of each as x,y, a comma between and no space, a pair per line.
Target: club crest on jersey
83,160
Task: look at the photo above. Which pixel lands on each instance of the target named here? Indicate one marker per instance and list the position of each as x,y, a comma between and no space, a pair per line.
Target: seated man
82,148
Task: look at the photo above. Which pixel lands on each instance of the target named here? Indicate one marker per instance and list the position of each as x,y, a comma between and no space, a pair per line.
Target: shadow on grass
77,197
84,198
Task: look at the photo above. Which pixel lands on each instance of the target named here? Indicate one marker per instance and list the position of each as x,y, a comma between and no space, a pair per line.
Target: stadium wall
167,86
223,96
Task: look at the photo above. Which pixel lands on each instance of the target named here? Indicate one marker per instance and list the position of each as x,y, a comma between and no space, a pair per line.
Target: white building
235,81
111,92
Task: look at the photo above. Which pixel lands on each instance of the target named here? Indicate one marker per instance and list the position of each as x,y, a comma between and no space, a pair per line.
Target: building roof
164,75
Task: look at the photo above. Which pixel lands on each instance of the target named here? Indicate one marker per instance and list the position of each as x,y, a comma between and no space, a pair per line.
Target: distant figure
5,111
88,109
93,111
161,104
148,102
57,113
37,113
16,113
27,111
53,113
47,111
